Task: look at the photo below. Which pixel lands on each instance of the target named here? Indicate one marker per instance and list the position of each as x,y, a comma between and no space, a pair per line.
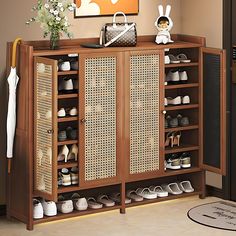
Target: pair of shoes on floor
178,187
67,85
70,133
179,120
102,200
68,177
177,161
177,100
43,207
173,139
176,77
70,111
180,58
66,154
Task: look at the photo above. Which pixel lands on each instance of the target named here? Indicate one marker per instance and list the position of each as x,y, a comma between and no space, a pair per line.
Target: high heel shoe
73,154
63,154
176,139
169,139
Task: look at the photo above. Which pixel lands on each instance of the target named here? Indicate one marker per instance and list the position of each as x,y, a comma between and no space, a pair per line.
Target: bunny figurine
164,25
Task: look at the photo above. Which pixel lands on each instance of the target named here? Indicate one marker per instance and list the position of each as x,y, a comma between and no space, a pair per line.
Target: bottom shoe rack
95,122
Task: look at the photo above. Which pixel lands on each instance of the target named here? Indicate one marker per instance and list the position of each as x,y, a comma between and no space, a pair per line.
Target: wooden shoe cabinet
120,122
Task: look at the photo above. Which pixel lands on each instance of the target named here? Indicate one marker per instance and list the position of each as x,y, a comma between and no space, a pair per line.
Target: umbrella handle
13,60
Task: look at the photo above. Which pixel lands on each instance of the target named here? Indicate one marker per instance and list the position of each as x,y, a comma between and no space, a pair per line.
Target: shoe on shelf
80,203
64,206
167,59
186,186
74,175
73,111
185,99
61,113
173,162
131,194
104,199
167,121
183,58
173,59
146,193
182,121
183,76
49,208
63,65
73,154
159,191
63,154
65,85
174,101
116,198
185,160
176,139
62,136
93,204
71,133
169,139
172,188
74,65
172,77
37,209
173,122
65,177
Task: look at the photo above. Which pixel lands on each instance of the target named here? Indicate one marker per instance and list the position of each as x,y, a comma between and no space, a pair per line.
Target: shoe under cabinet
114,128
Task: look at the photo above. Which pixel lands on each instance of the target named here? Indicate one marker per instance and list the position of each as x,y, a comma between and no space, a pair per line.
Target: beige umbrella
11,114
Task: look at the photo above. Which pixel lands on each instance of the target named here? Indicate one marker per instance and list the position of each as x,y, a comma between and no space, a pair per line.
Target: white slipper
183,58
104,199
159,191
134,196
80,203
93,204
173,59
172,188
146,193
116,197
186,186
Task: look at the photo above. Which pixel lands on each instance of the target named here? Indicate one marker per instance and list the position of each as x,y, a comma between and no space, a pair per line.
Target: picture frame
94,8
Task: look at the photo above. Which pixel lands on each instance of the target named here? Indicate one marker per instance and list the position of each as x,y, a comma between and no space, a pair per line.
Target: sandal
173,59
93,204
116,197
134,196
146,193
159,191
183,58
186,186
172,188
105,200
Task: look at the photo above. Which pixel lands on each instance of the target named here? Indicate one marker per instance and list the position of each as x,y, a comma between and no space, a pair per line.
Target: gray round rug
220,215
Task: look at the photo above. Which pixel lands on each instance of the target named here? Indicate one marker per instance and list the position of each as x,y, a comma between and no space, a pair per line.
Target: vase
54,40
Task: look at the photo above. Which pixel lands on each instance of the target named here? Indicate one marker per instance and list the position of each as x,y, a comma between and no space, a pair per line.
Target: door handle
83,121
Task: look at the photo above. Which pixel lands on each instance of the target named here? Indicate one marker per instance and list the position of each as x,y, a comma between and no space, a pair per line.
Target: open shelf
71,72
182,148
69,164
182,86
75,213
67,189
190,127
170,197
67,119
169,172
174,65
64,96
67,142
181,107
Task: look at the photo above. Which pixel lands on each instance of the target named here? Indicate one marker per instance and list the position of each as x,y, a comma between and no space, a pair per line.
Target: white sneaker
63,154
64,66
174,101
64,206
80,204
61,112
183,76
65,177
49,208
173,76
186,100
38,209
167,60
73,111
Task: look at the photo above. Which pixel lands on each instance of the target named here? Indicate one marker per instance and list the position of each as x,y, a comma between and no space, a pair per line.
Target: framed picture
86,8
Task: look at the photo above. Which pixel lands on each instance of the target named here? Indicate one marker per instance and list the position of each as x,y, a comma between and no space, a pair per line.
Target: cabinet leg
30,226
122,210
202,196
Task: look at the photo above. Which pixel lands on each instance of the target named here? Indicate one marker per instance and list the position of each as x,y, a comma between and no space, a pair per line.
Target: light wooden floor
160,219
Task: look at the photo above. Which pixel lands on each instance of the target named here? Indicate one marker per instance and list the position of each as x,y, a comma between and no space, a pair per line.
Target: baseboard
2,210
213,191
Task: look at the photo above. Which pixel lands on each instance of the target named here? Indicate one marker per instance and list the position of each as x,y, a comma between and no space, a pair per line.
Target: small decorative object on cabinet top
164,24
52,19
